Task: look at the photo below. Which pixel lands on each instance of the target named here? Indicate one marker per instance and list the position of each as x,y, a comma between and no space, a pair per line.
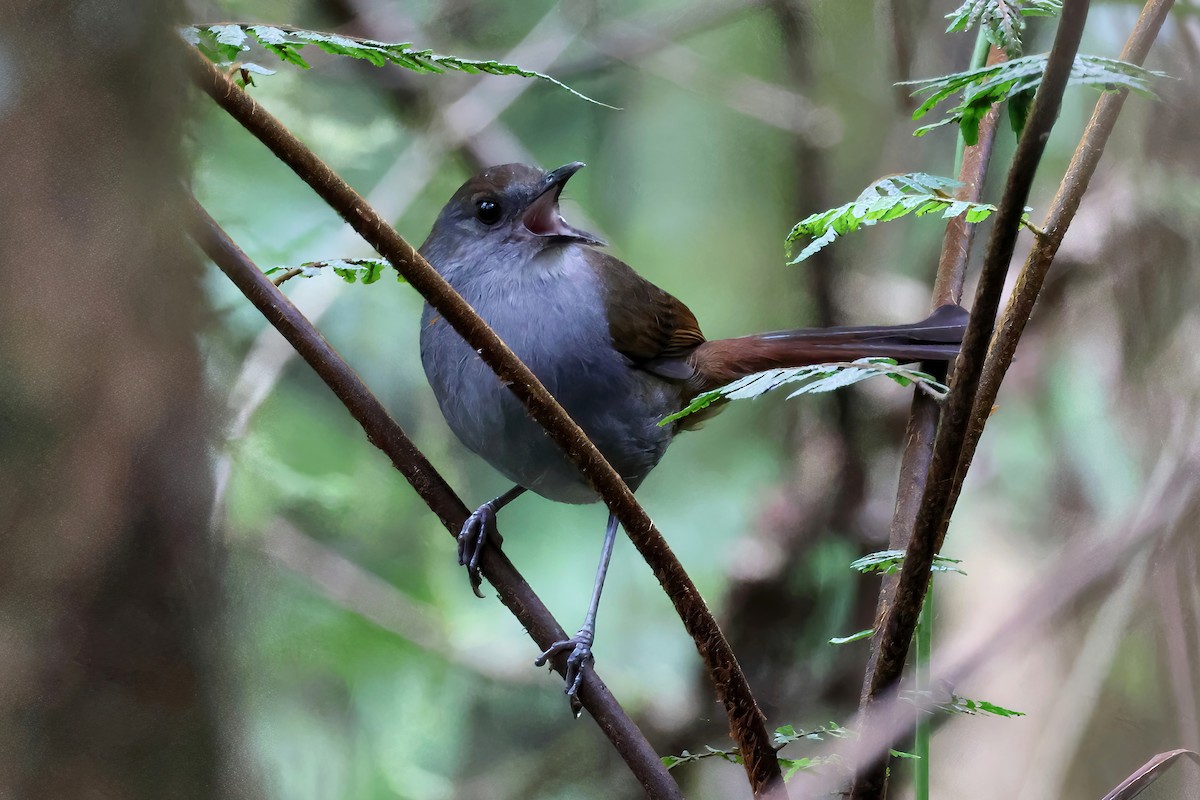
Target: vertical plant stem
921,668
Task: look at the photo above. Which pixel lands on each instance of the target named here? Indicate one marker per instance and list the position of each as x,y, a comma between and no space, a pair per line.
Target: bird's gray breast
550,311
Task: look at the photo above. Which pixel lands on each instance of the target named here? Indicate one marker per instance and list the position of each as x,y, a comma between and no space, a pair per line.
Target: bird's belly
564,339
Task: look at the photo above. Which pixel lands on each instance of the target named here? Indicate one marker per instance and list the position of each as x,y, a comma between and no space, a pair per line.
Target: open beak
543,218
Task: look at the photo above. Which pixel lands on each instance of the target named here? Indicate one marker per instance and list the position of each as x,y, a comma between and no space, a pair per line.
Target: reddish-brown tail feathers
936,338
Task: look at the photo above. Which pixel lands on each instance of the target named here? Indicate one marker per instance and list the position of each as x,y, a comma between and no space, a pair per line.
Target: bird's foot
580,647
478,528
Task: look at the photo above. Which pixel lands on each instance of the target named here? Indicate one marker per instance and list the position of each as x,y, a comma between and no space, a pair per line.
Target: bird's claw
477,529
580,647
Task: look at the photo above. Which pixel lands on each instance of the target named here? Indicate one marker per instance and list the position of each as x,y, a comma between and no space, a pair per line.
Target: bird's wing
649,326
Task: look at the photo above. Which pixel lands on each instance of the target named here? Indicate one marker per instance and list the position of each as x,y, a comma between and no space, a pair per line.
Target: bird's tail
936,338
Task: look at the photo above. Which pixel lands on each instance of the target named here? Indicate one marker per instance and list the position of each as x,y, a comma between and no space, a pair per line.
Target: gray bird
615,350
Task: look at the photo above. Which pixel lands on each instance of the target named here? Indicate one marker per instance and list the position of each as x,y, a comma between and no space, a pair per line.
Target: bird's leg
580,645
478,528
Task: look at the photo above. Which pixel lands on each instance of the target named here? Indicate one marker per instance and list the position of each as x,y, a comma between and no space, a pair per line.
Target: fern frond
1002,21
886,199
224,43
813,379
984,87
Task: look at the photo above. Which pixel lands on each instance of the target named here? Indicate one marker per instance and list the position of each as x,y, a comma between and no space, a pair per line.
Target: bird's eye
488,211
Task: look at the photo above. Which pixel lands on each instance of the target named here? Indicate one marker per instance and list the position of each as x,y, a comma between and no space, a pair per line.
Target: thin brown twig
960,234
383,432
896,631
746,721
1033,273
287,276
1058,218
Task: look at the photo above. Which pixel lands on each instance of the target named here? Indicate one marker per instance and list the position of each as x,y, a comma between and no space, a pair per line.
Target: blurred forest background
360,665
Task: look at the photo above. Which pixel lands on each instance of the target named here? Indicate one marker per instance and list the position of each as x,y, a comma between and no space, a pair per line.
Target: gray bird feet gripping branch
580,647
477,529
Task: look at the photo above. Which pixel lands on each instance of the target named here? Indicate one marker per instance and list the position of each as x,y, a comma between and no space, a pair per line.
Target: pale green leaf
229,34
902,754
888,562
854,637
812,379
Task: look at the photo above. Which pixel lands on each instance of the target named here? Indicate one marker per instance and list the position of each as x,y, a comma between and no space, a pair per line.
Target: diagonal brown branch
897,627
383,432
746,721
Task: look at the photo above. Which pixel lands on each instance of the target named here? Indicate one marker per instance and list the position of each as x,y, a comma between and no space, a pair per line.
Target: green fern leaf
813,379
984,87
224,43
220,43
1002,21
886,199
